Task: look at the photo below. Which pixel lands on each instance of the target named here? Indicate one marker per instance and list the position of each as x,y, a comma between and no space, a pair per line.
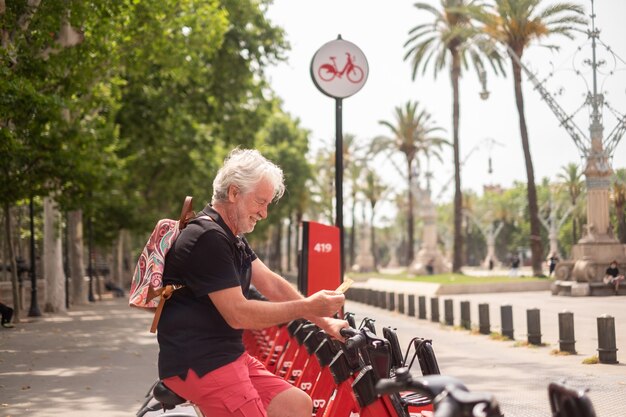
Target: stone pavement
96,360
100,359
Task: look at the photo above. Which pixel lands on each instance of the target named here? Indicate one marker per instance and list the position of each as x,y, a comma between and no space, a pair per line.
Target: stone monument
429,253
583,274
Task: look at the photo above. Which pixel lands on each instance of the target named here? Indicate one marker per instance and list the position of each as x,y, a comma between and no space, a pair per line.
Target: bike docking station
368,375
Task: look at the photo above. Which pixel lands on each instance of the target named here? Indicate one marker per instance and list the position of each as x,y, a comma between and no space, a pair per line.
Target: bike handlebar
450,396
447,407
355,338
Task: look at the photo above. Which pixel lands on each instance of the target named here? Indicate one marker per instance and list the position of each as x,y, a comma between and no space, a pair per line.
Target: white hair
244,168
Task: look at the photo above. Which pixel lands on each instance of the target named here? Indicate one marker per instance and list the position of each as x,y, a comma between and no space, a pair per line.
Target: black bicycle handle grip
388,386
348,332
447,407
355,337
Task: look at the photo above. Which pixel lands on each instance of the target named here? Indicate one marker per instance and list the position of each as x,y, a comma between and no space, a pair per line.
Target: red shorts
241,388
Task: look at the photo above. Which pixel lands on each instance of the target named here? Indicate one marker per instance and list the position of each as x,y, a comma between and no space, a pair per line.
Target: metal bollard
607,350
466,321
533,321
372,297
434,309
506,318
566,332
411,311
422,307
383,300
401,303
484,325
391,301
448,313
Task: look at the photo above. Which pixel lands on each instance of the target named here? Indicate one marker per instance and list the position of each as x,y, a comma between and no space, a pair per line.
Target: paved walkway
96,360
518,374
99,360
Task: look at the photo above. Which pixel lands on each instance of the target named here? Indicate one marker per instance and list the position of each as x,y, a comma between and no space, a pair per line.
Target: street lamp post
90,262
34,305
598,247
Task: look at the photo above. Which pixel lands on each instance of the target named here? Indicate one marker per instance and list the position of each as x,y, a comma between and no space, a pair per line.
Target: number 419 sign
320,267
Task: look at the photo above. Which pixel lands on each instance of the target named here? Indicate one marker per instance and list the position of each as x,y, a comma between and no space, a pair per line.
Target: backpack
146,290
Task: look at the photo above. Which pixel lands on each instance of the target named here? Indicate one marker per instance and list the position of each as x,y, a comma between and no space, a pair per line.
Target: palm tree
571,181
516,23
414,133
353,166
448,40
374,190
618,195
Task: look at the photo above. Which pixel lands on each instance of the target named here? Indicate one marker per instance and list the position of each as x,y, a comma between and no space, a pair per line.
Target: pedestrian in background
613,278
7,315
553,259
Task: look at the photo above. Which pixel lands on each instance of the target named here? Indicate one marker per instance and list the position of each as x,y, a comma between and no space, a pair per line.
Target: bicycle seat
168,398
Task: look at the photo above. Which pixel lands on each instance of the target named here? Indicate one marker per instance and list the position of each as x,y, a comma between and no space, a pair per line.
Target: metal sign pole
339,179
339,69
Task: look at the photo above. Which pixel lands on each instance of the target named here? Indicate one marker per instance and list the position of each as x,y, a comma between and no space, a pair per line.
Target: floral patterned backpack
146,290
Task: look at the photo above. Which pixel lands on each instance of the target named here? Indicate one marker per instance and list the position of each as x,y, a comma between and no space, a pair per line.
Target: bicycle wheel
355,74
327,72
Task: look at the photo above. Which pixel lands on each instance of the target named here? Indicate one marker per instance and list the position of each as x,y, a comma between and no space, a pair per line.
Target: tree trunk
457,257
409,249
275,248
533,208
353,230
117,267
76,257
11,252
128,262
373,239
290,243
299,216
53,258
621,222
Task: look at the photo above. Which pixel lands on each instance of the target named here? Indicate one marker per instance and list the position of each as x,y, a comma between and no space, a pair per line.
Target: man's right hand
325,303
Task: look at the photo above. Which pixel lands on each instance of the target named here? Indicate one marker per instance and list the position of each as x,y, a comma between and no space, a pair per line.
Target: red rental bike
452,399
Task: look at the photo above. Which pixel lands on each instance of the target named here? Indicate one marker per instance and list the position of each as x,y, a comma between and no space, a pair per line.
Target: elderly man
202,357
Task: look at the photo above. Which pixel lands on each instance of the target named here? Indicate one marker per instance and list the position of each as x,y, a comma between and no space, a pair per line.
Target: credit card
344,285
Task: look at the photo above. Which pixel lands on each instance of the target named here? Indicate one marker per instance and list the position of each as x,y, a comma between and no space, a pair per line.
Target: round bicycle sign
339,68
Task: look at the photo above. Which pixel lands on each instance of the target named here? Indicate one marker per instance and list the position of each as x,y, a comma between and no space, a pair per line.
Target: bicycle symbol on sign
329,71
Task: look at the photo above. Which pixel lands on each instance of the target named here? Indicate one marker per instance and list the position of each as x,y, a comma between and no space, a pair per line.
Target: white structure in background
553,223
364,261
429,253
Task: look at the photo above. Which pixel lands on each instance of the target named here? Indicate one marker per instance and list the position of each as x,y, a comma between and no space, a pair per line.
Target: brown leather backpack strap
165,293
186,213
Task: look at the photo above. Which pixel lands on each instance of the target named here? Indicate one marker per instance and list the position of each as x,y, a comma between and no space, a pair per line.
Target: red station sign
320,258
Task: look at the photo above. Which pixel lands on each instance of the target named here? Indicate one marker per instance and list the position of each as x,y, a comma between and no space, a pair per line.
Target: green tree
571,181
618,195
516,24
414,133
50,112
374,190
193,89
354,163
447,42
285,143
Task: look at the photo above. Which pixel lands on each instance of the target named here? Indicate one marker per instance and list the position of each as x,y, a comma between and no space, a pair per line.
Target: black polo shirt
192,334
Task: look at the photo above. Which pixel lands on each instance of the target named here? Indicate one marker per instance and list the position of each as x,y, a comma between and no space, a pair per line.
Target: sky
488,128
